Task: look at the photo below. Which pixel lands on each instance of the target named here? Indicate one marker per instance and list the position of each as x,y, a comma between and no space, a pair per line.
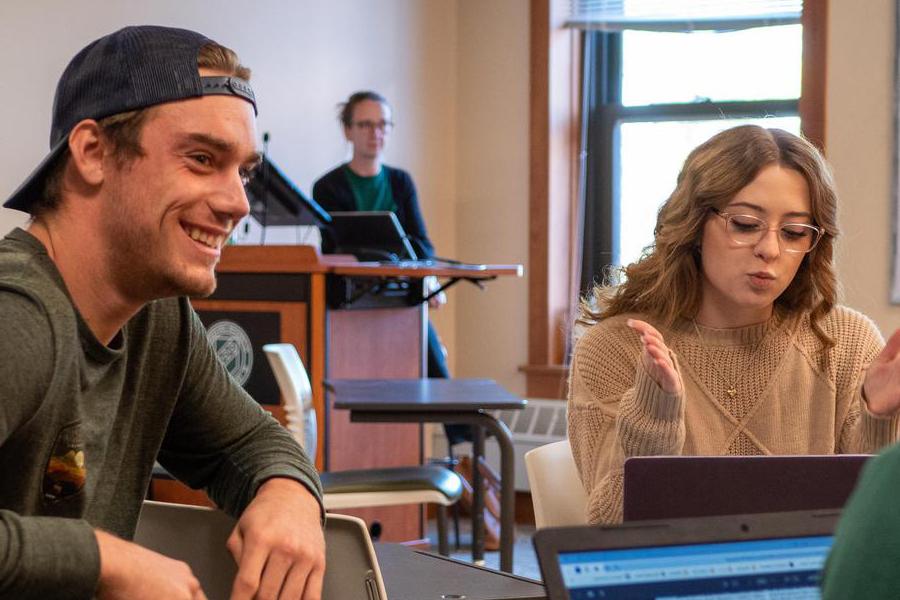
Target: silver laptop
197,536
766,555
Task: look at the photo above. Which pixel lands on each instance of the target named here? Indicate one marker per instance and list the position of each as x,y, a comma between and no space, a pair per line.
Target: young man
105,367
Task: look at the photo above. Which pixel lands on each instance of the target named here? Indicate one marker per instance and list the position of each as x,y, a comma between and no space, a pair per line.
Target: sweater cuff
877,431
58,555
651,400
313,487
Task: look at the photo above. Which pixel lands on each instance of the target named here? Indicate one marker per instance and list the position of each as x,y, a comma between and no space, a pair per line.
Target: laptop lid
767,555
197,536
668,487
370,235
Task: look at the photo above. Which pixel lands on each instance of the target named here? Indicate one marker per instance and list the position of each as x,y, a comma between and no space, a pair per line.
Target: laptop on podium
767,555
371,235
668,487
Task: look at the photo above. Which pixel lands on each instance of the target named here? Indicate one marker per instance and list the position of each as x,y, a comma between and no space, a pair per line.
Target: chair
556,490
361,488
197,536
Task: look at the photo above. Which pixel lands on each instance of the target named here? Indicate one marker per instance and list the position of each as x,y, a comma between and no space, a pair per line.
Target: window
652,96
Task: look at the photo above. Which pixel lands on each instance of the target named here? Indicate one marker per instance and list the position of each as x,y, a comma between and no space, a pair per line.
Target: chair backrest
556,489
297,392
197,536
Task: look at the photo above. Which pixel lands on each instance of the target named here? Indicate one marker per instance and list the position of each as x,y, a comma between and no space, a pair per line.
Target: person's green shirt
371,193
865,559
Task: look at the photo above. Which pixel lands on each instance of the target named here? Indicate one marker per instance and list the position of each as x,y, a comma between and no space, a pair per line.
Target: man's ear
87,148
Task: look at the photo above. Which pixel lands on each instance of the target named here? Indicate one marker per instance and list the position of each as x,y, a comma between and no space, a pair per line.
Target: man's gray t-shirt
82,422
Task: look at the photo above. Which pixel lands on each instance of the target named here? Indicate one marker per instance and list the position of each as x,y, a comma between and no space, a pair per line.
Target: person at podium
367,184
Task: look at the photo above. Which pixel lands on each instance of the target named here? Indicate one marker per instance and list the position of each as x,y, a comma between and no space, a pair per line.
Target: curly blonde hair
712,175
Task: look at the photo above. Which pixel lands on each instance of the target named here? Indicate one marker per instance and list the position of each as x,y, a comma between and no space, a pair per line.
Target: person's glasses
747,230
382,126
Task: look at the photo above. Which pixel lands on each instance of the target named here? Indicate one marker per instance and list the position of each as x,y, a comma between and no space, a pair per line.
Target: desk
445,401
414,575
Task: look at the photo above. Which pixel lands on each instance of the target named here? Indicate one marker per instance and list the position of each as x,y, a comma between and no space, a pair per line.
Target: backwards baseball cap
132,68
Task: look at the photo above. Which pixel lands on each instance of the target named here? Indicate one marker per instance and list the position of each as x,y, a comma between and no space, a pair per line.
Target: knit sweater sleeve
615,411
858,342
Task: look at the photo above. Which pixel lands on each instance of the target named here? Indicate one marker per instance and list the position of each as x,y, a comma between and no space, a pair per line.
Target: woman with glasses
725,337
366,183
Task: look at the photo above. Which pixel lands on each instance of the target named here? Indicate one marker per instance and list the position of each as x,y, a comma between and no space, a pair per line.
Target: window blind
681,15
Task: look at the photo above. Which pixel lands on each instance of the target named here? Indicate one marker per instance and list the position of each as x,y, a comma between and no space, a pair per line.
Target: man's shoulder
27,270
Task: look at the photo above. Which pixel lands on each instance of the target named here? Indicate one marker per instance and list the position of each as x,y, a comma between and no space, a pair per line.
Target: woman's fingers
655,356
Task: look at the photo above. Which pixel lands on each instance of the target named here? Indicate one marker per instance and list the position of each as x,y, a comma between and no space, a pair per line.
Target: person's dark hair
123,130
345,109
712,175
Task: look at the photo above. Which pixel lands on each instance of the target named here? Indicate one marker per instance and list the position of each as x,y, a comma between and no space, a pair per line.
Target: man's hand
278,545
881,387
131,572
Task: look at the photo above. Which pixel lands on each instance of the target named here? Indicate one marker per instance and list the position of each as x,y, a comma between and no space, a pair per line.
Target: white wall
860,146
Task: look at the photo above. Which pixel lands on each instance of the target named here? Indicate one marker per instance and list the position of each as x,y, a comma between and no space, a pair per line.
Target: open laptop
768,555
370,235
668,487
197,536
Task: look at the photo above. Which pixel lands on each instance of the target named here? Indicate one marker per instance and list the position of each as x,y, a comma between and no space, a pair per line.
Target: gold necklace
731,390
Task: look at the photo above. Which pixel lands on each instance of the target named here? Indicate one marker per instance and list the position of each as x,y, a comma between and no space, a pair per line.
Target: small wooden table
468,401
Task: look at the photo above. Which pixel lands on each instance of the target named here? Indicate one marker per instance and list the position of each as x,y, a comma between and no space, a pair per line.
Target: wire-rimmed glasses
382,126
747,230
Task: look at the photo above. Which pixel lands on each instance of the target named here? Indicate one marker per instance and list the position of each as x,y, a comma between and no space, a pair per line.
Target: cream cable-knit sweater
792,398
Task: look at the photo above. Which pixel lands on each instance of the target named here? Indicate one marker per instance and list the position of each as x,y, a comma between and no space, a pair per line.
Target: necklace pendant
732,392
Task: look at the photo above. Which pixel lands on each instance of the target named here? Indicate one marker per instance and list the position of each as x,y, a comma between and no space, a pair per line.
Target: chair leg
455,509
443,543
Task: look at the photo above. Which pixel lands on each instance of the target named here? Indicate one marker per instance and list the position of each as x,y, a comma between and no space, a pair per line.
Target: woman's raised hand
655,357
882,384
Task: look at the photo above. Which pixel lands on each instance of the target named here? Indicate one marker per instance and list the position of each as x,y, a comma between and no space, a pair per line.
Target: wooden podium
348,320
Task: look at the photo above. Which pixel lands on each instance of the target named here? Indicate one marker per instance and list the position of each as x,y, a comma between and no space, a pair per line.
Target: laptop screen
745,570
371,235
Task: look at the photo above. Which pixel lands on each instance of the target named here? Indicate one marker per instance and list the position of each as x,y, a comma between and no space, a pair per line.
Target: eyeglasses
747,230
382,126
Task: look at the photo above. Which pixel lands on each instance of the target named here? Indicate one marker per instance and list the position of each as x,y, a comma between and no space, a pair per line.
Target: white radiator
540,422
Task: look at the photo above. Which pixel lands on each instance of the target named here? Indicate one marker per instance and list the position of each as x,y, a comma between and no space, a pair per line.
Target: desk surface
409,269
413,575
421,395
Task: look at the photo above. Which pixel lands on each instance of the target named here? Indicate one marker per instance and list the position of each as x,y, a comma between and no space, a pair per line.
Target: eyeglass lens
373,125
794,237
